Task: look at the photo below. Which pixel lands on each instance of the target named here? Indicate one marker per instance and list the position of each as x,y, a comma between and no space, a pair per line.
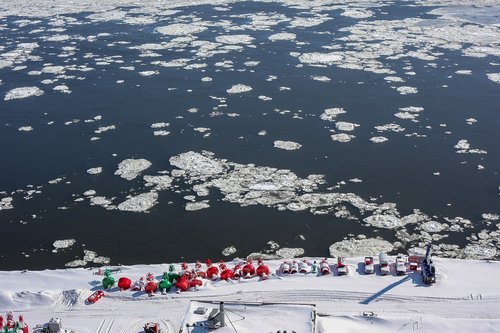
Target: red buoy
124,283
151,287
263,270
195,283
183,283
248,270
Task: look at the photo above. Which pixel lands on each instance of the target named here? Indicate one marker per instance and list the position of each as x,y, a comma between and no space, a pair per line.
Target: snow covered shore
465,297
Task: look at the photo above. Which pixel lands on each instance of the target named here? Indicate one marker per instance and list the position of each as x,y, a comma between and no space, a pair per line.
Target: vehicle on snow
401,264
385,268
342,268
428,268
369,265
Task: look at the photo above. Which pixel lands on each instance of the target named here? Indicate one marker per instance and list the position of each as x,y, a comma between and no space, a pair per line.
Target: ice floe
94,171
331,114
239,88
192,206
131,168
342,137
378,139
463,147
345,126
360,247
25,129
495,77
404,90
23,92
6,203
63,244
181,29
282,36
289,253
139,203
287,145
229,251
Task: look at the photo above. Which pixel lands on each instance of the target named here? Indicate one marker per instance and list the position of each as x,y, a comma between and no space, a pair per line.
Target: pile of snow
23,92
287,145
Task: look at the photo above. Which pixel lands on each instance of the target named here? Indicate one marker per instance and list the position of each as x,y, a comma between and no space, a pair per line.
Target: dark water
399,171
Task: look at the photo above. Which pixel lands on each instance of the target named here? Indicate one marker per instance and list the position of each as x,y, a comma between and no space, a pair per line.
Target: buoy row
9,325
189,278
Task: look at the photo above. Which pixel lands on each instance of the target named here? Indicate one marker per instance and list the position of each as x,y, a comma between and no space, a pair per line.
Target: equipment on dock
428,268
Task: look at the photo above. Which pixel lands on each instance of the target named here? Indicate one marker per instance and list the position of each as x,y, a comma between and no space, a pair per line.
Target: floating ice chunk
234,39
383,221
63,243
490,216
251,63
414,109
100,201
5,63
181,29
404,90
464,72
94,171
342,137
357,13
160,125
229,251
378,139
149,73
160,182
331,114
478,251
355,180
25,129
389,127
495,77
282,36
239,88
6,203
131,168
393,79
321,78
161,133
23,92
89,193
197,164
102,129
316,58
470,121
54,70
201,129
360,247
405,115
262,133
206,79
192,206
432,226
287,145
76,263
139,203
307,22
345,126
264,98
289,253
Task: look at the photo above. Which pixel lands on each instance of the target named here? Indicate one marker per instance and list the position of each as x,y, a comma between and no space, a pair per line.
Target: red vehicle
95,296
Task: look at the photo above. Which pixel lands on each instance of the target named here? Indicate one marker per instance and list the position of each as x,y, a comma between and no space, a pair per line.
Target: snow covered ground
465,298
